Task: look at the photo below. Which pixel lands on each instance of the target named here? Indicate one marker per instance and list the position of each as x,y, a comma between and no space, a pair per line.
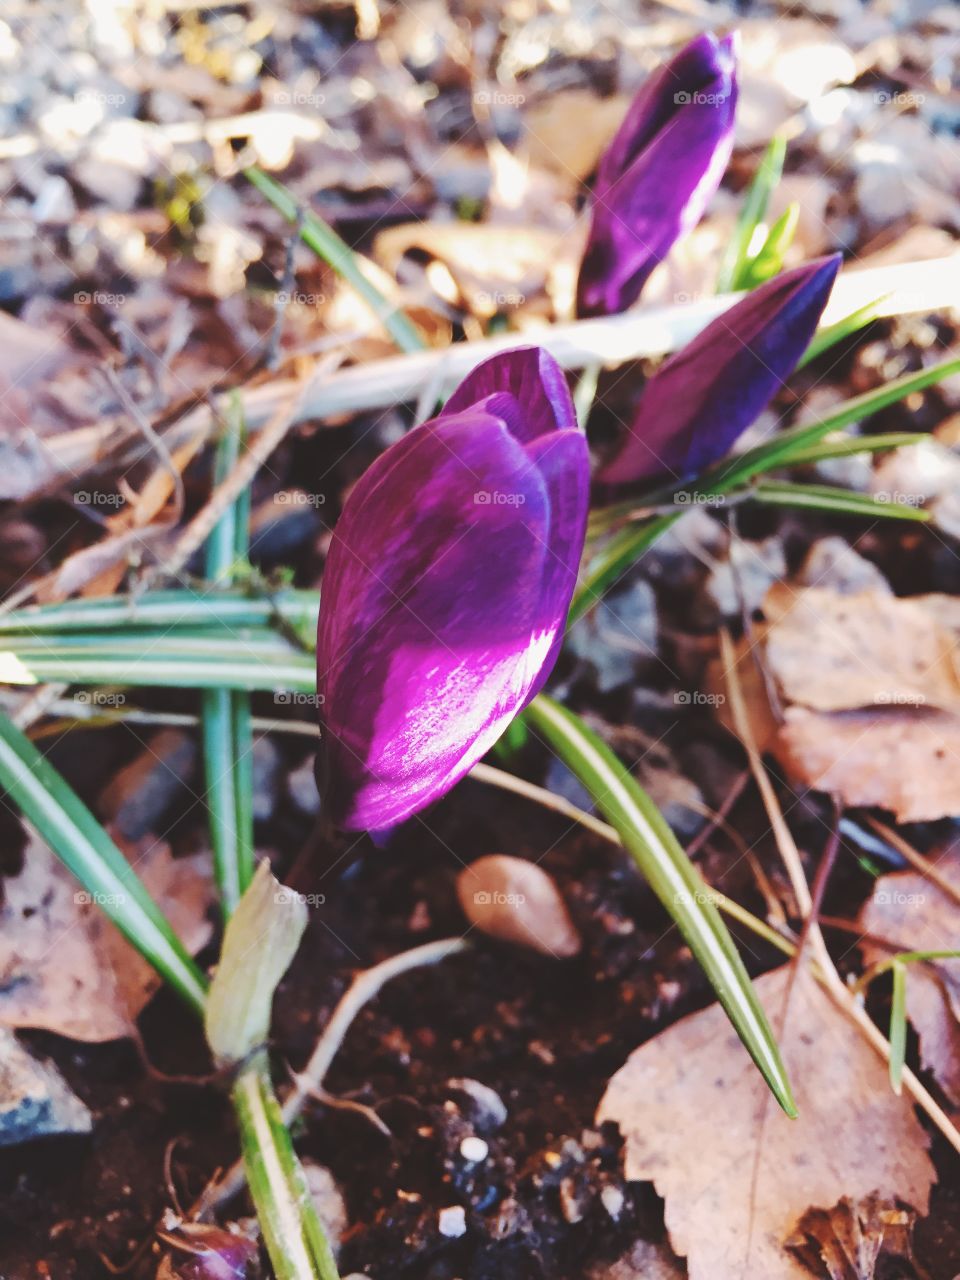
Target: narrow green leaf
628,544
825,497
184,609
737,255
326,244
288,1218
769,261
260,941
672,876
85,849
847,445
831,334
898,1026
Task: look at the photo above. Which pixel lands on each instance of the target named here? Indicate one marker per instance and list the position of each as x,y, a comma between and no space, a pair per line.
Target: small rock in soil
35,1100
832,562
452,1221
516,901
140,797
746,576
302,787
266,778
485,1108
618,636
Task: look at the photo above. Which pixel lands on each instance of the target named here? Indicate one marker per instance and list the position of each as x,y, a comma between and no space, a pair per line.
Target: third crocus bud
655,179
696,405
446,589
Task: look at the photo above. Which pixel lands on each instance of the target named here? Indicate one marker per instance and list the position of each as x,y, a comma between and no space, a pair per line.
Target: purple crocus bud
656,177
447,587
696,405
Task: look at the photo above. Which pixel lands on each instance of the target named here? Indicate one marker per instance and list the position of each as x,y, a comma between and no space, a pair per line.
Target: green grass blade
288,1218
898,1025
326,244
769,261
831,334
628,544
82,845
848,445
825,497
672,876
737,256
182,609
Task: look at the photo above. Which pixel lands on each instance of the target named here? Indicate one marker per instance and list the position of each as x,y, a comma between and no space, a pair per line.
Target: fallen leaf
845,1242
913,914
35,1100
567,132
64,967
736,1174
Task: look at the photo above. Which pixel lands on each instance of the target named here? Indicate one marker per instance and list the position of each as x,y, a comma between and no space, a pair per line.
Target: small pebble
612,1199
487,1108
516,901
474,1150
452,1221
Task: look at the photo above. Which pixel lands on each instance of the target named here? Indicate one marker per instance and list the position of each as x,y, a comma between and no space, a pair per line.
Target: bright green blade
326,244
215,609
672,876
831,334
85,849
898,1025
825,497
737,256
769,261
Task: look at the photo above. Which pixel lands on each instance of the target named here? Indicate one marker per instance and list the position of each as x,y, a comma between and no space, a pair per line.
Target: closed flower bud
446,589
656,177
696,405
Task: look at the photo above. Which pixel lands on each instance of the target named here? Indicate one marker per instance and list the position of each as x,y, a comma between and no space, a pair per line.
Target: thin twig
364,987
916,860
792,861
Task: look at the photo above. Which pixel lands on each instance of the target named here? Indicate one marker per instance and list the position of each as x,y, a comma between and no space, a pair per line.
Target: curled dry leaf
35,1100
736,1174
64,967
845,1242
517,901
869,694
913,914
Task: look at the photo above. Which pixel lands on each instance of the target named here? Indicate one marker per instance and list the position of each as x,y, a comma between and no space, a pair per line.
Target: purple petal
659,173
536,382
440,607
694,408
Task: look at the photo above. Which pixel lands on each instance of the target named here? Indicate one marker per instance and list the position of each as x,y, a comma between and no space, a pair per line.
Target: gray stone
302,788
833,563
619,635
35,1100
140,797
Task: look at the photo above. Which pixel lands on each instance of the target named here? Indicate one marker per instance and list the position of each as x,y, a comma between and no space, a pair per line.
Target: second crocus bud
656,177
447,587
696,405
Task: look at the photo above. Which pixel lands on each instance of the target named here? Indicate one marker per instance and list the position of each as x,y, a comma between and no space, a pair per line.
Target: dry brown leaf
567,132
833,652
64,967
913,914
736,1174
845,1242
